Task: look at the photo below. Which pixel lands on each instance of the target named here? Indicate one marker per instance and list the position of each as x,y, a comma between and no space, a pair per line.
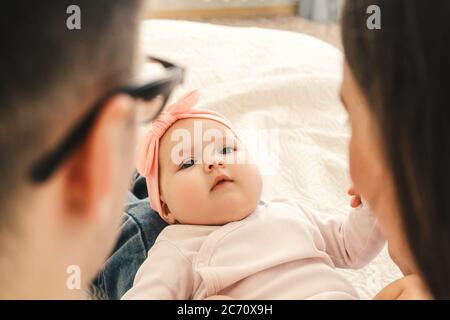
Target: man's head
51,76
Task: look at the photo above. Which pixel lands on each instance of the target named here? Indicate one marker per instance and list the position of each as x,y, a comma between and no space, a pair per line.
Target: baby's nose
214,162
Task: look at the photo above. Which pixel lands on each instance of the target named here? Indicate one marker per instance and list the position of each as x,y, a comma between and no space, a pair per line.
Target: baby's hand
355,197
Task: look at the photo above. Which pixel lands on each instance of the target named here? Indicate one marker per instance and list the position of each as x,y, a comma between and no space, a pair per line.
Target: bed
283,86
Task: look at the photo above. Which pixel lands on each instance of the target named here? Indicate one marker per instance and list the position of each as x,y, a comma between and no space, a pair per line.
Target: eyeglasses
155,94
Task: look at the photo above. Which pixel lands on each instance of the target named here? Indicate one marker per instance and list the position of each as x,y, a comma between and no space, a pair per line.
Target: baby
221,240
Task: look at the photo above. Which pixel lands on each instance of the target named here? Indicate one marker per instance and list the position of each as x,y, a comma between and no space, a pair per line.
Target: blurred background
317,18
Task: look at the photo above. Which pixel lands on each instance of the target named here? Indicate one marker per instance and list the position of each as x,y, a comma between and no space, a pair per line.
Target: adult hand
410,287
218,297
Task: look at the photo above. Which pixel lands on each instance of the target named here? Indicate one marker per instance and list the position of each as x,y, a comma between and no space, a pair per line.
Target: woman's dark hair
403,69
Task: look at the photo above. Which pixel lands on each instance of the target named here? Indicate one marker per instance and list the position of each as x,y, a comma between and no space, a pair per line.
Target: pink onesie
280,251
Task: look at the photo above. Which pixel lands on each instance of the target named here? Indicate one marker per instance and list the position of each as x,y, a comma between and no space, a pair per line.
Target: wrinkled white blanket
280,90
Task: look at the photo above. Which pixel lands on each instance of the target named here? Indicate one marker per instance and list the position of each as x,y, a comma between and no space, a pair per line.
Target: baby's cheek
252,181
186,198
180,193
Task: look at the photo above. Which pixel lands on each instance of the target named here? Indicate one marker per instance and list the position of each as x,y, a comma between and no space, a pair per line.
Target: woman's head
197,169
395,90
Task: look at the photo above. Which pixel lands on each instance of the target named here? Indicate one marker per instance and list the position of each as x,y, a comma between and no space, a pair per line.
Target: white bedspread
280,89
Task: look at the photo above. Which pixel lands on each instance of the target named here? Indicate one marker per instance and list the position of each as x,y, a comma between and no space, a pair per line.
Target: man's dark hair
50,76
403,71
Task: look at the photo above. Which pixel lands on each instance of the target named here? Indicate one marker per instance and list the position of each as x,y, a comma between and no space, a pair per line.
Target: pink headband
148,152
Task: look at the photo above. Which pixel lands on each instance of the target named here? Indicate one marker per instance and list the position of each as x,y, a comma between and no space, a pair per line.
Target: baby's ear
166,215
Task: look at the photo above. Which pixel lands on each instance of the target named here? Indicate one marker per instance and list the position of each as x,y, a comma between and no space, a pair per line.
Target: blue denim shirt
140,228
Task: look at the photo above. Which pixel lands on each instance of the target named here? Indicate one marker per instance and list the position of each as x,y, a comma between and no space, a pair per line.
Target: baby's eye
186,164
228,150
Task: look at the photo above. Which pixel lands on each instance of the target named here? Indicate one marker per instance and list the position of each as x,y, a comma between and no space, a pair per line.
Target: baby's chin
224,216
239,217
238,213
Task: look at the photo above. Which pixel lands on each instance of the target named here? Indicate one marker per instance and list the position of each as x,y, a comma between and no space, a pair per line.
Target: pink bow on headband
148,150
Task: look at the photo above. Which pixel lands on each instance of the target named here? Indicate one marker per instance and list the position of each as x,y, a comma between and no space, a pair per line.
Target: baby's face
208,182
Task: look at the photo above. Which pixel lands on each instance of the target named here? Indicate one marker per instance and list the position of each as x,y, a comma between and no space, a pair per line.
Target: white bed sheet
284,87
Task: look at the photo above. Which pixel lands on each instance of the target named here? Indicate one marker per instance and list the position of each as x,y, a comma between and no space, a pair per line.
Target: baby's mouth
221,181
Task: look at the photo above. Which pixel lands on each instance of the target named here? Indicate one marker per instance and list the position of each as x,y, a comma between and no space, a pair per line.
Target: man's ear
166,215
95,170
